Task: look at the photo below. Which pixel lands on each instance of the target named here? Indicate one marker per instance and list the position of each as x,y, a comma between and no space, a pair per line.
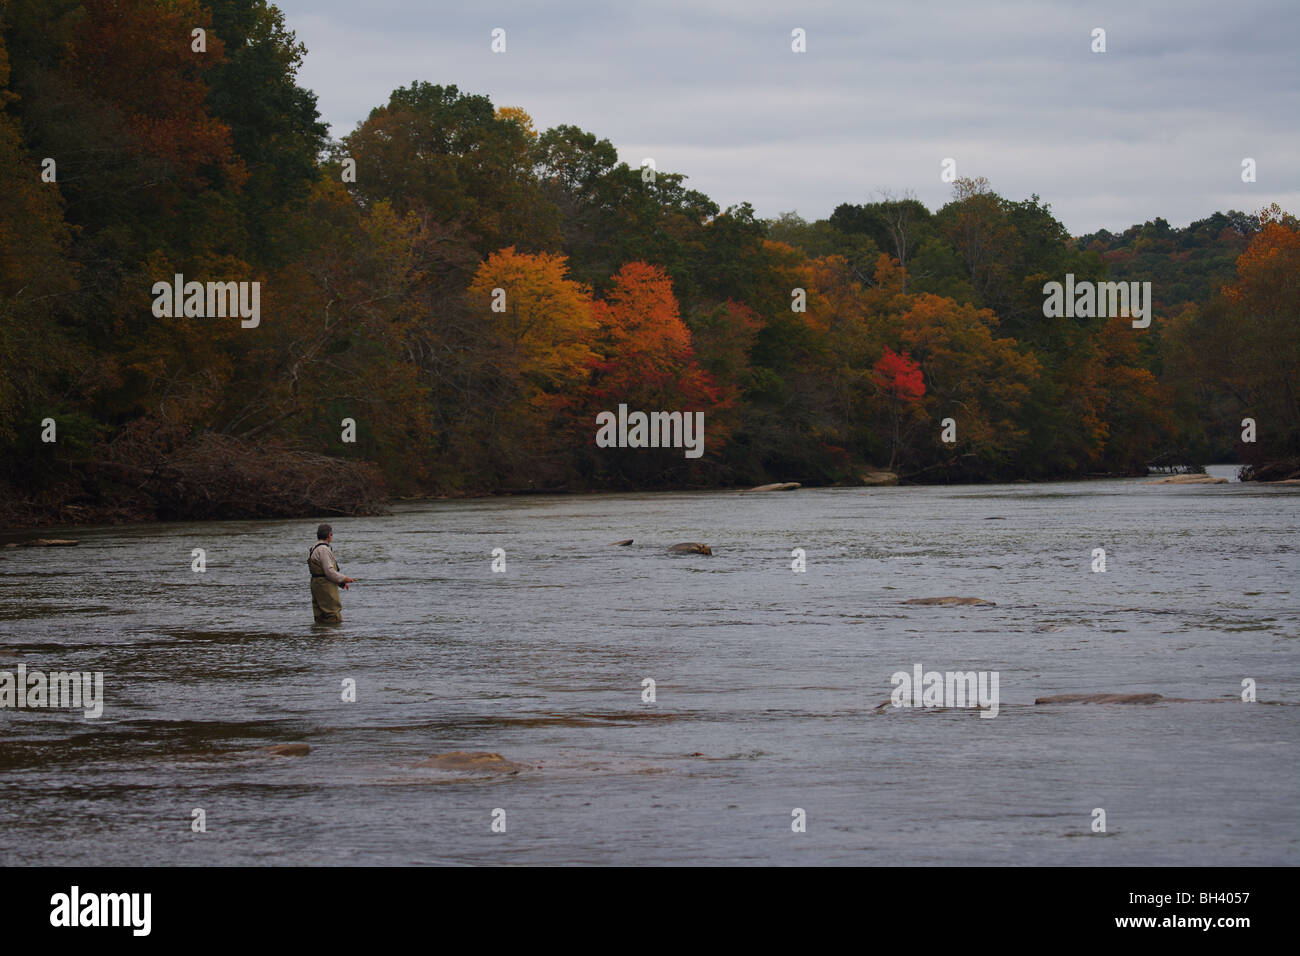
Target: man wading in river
325,579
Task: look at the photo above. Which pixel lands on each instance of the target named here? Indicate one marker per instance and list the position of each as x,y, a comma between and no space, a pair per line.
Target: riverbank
19,521
17,515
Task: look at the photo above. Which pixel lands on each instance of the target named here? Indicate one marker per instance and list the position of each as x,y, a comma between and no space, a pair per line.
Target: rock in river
875,478
288,750
1100,699
477,761
1128,699
952,600
690,547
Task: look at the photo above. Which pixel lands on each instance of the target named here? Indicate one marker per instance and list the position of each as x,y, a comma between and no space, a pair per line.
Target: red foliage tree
899,379
897,376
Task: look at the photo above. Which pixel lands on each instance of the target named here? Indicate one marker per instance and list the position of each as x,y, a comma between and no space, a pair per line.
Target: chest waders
325,602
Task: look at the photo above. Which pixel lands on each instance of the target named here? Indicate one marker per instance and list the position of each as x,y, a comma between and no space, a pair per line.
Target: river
767,682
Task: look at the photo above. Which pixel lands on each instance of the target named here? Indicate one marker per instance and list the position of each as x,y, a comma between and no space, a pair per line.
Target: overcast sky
1157,125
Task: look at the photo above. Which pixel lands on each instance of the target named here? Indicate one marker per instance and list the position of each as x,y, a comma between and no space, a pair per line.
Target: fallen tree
1281,470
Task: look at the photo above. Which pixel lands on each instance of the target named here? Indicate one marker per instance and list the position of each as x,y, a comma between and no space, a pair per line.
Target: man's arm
328,567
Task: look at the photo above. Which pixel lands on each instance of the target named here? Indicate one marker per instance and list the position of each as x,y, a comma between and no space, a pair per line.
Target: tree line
470,292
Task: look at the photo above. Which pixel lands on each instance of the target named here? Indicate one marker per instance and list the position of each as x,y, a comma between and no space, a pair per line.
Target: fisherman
325,579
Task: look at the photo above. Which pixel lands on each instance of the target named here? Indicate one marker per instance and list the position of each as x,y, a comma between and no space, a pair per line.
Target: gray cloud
1156,126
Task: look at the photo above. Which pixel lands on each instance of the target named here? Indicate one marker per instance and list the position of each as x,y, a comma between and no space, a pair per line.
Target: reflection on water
765,682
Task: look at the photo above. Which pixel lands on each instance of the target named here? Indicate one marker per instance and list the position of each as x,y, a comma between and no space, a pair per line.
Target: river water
767,682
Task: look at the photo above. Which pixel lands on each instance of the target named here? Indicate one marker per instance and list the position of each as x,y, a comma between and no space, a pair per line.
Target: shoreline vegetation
445,300
358,492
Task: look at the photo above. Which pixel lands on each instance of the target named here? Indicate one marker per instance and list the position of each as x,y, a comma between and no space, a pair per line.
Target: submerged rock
777,486
1128,699
622,544
479,761
946,601
690,547
1100,699
288,750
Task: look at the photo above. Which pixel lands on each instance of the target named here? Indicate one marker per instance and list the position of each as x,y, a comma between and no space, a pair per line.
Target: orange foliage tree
644,355
644,351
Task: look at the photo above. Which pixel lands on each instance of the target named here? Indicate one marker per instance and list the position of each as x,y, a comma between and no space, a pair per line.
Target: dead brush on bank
216,476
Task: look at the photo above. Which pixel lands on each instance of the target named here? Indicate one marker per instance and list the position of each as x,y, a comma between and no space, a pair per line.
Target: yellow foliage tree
537,324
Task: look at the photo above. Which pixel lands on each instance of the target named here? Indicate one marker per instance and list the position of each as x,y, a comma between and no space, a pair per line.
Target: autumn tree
973,376
115,96
449,155
37,358
274,125
1266,296
518,116
897,224
899,381
536,328
1238,354
1137,408
645,359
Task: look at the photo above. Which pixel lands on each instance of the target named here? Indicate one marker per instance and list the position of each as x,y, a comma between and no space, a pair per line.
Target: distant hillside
1182,265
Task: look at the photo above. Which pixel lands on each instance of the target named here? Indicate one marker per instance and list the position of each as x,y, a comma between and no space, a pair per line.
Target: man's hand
347,581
